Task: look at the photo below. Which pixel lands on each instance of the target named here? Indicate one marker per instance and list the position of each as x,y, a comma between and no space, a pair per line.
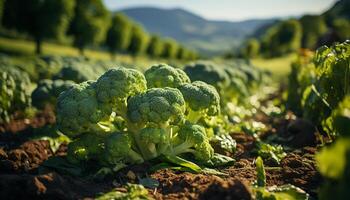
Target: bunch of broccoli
47,92
126,117
14,92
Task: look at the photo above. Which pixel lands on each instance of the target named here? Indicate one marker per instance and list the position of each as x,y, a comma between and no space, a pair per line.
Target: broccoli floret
88,146
118,149
153,141
158,106
193,139
116,85
7,88
202,100
208,72
163,75
78,110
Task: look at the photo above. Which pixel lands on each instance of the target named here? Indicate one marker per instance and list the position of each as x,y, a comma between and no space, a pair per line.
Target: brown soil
21,179
20,123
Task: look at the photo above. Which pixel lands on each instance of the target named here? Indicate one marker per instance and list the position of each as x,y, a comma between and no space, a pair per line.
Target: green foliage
313,28
341,27
282,39
251,48
41,19
170,49
335,169
47,92
2,3
234,81
14,93
89,24
268,151
133,192
260,170
119,33
318,88
281,192
155,47
139,40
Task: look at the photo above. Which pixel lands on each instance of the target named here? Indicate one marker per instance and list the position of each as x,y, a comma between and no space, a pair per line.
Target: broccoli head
192,138
159,106
78,110
116,85
88,146
202,99
163,75
118,149
47,92
153,141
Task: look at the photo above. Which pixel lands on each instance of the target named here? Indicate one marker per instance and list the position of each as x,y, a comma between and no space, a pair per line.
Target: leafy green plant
133,192
283,192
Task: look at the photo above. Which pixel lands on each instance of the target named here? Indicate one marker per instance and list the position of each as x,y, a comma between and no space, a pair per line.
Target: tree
282,38
119,33
139,40
170,49
251,48
41,19
2,2
313,28
90,23
155,46
341,28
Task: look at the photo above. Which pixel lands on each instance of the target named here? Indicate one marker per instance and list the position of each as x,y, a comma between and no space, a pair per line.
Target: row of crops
204,117
319,91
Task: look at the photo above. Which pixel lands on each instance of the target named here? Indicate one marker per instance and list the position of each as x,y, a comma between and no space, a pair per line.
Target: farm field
118,100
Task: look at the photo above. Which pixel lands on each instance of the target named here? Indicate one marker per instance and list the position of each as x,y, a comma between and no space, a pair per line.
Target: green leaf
182,162
283,192
331,161
55,142
134,192
62,165
260,170
219,160
210,171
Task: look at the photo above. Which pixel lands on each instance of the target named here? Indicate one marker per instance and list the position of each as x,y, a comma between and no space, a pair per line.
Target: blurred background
270,32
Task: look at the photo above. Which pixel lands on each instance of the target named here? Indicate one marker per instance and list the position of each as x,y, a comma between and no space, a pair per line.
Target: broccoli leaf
219,160
260,170
133,192
61,165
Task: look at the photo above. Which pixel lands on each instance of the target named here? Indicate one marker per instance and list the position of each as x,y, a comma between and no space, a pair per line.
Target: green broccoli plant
47,92
14,91
117,120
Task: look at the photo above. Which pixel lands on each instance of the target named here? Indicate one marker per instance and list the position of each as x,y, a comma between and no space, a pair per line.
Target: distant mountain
206,36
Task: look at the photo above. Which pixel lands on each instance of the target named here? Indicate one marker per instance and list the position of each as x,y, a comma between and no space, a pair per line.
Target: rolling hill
206,36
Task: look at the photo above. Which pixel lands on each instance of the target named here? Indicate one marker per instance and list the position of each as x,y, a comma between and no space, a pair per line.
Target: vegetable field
75,128
172,100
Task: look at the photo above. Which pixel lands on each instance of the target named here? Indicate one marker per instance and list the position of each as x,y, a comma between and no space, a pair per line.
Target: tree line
87,23
308,32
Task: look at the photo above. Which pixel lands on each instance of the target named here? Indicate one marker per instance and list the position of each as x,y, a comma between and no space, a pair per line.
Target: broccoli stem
182,148
135,157
193,116
121,108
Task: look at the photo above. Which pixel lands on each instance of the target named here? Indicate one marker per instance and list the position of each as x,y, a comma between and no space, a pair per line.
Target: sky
233,10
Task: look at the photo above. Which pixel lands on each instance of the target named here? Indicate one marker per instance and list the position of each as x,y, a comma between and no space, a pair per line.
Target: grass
279,67
25,49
